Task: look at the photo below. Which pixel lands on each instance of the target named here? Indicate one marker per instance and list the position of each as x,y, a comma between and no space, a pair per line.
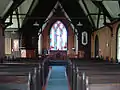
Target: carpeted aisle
57,79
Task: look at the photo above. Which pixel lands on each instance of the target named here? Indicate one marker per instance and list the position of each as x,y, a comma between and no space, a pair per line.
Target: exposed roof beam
12,8
18,20
100,5
104,0
104,19
10,22
95,13
51,13
98,18
119,3
108,0
32,7
21,14
39,18
93,25
7,8
30,11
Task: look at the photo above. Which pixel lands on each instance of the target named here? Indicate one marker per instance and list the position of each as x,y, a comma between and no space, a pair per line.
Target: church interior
59,44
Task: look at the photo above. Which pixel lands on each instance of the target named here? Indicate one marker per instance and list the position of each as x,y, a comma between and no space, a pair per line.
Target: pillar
2,40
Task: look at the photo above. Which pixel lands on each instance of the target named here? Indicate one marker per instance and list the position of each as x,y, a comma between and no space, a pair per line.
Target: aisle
58,79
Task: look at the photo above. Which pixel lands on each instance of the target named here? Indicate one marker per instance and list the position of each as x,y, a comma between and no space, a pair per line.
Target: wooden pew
90,68
42,61
34,69
95,82
88,74
23,60
16,81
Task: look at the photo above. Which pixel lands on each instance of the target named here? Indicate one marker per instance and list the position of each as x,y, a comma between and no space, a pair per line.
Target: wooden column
2,41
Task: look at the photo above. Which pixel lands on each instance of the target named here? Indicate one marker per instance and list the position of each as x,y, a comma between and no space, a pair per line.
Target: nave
71,74
59,44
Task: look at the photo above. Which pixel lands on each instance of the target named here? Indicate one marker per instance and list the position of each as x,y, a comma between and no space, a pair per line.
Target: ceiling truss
98,3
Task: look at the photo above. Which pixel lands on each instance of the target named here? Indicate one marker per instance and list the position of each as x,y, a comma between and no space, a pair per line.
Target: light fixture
36,24
13,32
79,24
107,44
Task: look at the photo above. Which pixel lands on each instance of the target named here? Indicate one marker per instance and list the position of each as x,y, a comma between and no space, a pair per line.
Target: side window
84,38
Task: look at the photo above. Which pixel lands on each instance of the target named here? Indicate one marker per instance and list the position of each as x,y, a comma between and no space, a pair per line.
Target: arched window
118,45
58,36
84,38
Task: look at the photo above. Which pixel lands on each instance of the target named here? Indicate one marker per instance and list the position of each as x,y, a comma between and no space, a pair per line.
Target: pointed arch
118,44
58,36
96,46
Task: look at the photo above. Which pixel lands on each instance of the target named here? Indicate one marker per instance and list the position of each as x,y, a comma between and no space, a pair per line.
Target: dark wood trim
93,24
106,25
12,8
98,20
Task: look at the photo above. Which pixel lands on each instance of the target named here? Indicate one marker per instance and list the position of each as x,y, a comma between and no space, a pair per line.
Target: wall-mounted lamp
73,49
36,24
13,32
107,44
79,24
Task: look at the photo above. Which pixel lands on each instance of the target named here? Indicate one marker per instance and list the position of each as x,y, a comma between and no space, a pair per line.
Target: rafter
100,5
10,22
95,14
119,3
104,19
93,25
98,18
18,20
12,8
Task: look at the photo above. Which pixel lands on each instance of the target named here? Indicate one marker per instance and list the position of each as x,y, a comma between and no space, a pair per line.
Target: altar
58,54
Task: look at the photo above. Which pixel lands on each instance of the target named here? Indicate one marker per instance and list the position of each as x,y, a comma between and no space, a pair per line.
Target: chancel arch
65,33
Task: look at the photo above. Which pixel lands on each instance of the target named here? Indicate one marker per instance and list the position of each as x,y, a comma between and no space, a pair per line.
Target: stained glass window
16,45
58,36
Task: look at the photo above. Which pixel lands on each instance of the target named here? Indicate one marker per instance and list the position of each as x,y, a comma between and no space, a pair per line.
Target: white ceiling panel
91,7
83,7
24,7
4,6
112,7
